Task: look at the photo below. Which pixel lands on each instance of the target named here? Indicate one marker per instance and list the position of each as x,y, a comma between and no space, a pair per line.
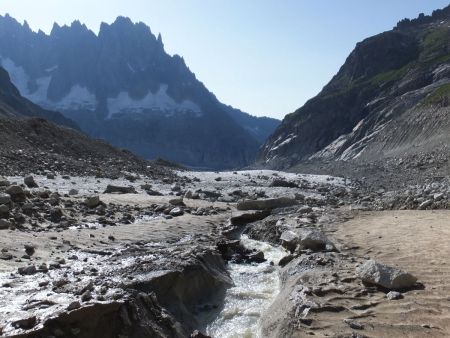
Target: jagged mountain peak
122,86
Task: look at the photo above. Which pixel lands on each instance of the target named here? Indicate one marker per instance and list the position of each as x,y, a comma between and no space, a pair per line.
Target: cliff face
120,85
390,98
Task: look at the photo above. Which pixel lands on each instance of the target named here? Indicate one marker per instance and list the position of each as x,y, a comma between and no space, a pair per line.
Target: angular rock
56,214
25,324
4,224
17,193
5,198
73,192
30,182
283,183
313,239
110,189
289,240
269,203
176,212
394,295
74,305
92,202
27,270
3,182
177,201
373,272
4,209
244,217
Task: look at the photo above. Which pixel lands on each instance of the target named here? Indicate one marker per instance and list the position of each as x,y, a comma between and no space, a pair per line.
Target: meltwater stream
256,286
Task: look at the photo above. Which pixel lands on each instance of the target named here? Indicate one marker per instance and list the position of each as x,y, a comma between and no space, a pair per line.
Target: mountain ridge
385,82
120,85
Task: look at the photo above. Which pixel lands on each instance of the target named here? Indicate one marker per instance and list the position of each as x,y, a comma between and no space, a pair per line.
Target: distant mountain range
391,99
120,85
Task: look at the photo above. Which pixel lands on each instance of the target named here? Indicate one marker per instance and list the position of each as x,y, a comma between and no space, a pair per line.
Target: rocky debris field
37,146
155,257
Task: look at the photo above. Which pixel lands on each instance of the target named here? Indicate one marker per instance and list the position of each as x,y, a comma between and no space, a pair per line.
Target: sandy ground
418,242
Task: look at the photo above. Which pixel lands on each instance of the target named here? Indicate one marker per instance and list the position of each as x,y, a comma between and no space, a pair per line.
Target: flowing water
256,286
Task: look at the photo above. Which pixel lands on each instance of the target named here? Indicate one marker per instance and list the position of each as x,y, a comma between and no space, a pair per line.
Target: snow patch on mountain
79,97
160,101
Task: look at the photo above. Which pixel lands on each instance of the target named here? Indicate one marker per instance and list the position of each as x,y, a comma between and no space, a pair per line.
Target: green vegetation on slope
441,96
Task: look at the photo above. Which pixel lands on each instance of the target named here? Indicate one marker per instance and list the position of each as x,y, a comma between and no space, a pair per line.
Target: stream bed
256,286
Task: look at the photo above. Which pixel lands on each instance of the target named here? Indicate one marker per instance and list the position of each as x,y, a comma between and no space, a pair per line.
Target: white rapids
256,286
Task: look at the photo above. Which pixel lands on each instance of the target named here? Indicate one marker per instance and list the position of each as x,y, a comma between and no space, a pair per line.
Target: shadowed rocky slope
12,104
30,143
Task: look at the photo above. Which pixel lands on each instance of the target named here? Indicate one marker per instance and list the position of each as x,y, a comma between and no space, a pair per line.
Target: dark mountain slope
389,100
123,87
29,143
12,104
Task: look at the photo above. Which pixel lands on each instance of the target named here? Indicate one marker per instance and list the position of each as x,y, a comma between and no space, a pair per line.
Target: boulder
177,201
267,204
4,209
5,198
17,193
313,239
152,192
244,217
25,324
394,295
4,224
4,182
176,212
73,192
289,240
283,183
373,272
92,202
110,189
56,214
30,182
27,270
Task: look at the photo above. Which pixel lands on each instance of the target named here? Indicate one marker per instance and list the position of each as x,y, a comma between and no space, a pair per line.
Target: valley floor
417,241
160,258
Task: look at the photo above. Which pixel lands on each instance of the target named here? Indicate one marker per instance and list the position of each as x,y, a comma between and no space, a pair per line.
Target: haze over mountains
123,87
389,100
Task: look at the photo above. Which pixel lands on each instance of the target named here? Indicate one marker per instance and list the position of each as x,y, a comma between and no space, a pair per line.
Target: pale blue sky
266,57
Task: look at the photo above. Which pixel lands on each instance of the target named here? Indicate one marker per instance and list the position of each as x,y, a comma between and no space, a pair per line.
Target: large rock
177,201
5,198
3,182
269,203
289,240
244,217
17,193
120,190
4,224
312,239
373,272
283,183
30,182
92,202
176,212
